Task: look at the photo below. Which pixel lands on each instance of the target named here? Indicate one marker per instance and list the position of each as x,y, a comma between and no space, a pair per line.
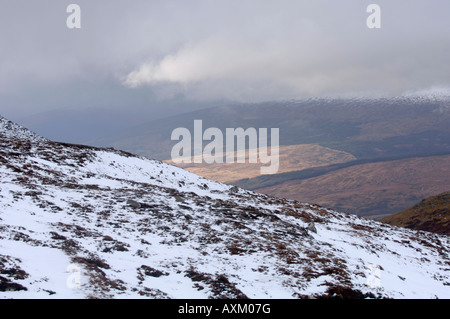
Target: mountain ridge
366,128
13,130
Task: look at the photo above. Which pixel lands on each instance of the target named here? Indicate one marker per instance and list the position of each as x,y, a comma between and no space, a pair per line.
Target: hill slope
370,189
431,214
80,222
9,129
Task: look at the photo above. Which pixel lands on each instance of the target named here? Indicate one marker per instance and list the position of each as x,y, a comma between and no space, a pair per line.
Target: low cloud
251,50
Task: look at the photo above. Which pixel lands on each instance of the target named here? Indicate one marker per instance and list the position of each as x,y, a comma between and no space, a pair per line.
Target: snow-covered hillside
81,222
9,129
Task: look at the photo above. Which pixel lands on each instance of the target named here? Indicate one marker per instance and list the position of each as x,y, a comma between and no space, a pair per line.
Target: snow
67,207
47,269
12,130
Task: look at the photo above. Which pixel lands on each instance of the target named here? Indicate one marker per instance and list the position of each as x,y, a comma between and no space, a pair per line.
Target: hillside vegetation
431,214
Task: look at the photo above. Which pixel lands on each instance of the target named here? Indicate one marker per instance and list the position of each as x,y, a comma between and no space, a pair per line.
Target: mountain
88,222
13,130
431,214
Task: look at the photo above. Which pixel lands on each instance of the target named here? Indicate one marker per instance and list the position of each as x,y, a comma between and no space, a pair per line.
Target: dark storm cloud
206,50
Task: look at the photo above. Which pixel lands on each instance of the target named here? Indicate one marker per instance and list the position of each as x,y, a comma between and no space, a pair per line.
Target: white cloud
244,70
249,50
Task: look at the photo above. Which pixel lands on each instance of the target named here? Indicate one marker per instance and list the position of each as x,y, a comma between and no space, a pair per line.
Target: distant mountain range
365,128
353,138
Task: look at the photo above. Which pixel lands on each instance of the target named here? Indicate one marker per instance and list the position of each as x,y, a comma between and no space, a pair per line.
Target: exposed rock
312,227
8,285
234,189
134,204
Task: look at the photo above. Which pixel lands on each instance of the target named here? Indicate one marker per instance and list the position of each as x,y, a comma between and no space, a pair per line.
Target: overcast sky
150,54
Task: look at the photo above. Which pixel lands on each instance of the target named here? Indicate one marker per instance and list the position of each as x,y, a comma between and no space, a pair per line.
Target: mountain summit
86,222
9,129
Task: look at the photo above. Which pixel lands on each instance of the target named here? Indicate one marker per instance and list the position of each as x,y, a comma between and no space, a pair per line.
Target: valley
320,140
372,190
291,158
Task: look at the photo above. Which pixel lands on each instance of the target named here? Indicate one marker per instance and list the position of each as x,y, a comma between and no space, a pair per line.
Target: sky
164,57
